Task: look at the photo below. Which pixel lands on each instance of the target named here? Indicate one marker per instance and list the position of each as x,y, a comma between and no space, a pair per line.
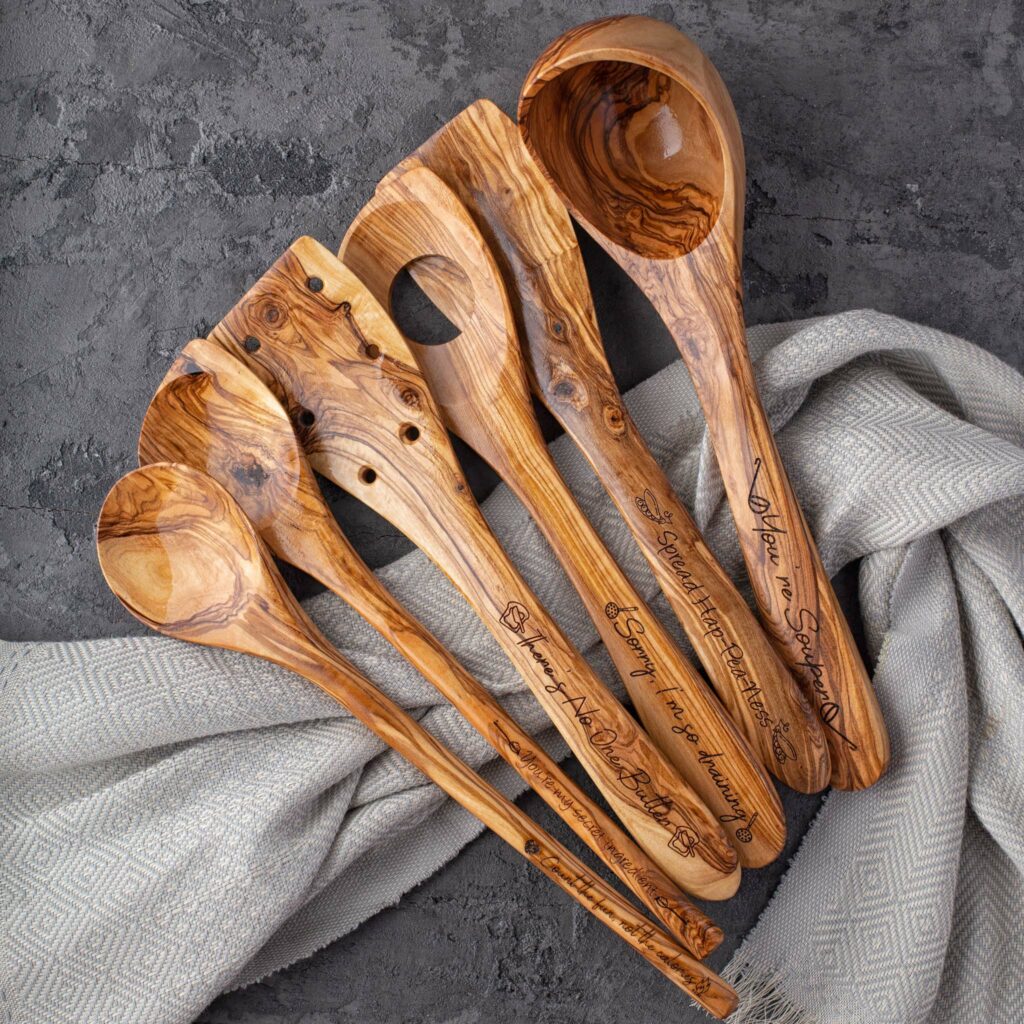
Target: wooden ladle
311,330
479,383
479,156
634,128
180,555
212,413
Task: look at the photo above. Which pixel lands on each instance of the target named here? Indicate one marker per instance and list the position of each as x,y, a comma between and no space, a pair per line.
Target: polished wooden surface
313,332
212,413
479,155
480,384
636,131
180,554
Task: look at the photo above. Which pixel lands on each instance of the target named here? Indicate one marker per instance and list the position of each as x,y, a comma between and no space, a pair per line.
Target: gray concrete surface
156,156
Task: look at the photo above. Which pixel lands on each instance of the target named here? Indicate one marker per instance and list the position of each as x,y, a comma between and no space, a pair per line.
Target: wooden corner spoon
480,157
311,330
634,128
212,413
180,555
479,383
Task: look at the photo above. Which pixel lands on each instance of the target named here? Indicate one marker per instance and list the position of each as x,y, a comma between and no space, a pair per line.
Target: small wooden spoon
479,156
636,131
311,330
180,555
480,385
214,414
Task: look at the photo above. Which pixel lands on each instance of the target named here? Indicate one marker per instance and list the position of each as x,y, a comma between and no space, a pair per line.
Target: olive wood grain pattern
635,129
313,332
480,385
479,155
212,413
179,553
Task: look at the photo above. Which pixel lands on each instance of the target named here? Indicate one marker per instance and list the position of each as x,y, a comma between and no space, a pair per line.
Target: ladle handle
796,600
322,666
682,716
351,579
746,672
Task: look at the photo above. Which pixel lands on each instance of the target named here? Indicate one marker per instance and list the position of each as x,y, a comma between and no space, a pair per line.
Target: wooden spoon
635,130
479,383
214,414
180,555
479,155
312,331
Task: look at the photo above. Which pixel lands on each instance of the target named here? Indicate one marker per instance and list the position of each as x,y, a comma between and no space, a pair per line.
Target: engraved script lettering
642,933
714,631
805,628
529,763
604,740
802,622
769,524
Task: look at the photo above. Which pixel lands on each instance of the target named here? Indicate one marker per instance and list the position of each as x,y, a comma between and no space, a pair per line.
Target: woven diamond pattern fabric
176,821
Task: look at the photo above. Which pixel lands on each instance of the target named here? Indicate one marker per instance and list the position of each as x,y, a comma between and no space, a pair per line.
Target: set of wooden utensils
626,124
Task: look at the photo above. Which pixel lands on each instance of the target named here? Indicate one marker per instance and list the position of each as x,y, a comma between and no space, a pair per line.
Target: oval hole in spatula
431,316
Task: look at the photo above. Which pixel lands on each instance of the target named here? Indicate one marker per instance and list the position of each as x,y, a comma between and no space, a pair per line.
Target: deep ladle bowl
637,152
634,128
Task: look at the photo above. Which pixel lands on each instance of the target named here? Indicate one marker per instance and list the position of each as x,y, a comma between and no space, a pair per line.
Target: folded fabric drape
177,821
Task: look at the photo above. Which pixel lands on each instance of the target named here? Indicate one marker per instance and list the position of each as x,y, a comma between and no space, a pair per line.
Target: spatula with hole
480,157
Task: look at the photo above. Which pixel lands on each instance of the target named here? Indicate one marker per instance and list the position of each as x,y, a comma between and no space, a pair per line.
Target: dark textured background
158,155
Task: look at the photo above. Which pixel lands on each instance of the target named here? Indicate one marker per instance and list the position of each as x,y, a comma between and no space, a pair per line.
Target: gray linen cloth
177,821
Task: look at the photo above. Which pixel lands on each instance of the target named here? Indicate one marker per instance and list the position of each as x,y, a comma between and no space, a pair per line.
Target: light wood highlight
212,413
179,553
636,131
480,385
479,155
314,333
